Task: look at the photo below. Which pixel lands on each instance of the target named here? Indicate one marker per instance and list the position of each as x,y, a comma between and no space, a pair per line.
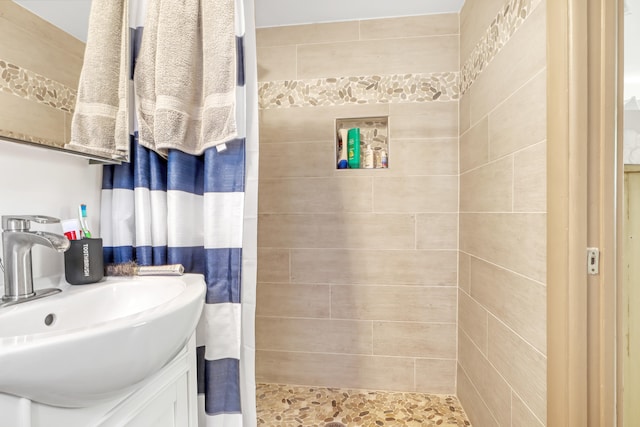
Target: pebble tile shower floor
297,406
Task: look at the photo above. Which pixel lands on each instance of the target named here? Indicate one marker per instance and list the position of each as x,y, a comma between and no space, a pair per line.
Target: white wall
276,13
35,180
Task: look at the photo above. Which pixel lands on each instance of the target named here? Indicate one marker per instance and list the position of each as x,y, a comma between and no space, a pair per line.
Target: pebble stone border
400,88
297,406
359,90
504,25
35,87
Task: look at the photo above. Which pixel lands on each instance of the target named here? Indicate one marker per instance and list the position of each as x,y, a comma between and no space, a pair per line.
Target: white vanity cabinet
166,399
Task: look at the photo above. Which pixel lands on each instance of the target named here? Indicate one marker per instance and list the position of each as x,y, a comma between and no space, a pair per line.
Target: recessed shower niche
362,143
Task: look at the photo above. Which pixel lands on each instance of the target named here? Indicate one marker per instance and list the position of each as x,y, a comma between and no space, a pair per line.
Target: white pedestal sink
91,343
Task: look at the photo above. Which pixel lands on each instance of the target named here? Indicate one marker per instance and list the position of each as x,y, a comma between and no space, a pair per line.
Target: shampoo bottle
343,162
368,157
353,148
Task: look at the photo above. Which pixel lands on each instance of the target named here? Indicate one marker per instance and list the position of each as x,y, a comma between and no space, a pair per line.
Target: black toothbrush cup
83,261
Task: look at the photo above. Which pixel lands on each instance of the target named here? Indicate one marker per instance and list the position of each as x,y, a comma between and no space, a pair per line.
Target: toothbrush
82,217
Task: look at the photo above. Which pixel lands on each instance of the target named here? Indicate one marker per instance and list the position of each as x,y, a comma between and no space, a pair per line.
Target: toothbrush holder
83,262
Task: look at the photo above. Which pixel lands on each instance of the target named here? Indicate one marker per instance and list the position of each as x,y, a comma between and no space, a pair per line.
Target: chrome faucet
17,241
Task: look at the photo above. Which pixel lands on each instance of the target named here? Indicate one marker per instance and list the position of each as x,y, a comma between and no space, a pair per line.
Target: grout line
477,393
512,95
524,340
387,356
513,392
501,267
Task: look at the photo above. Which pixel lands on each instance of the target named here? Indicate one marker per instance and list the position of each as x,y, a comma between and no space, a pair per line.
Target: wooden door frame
583,183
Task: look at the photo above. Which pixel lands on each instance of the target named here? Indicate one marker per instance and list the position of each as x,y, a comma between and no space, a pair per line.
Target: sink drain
50,319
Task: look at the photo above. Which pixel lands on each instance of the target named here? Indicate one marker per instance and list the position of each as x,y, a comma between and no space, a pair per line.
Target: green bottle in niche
353,148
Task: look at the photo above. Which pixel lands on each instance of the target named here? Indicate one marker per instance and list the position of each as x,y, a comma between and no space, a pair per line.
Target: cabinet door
167,409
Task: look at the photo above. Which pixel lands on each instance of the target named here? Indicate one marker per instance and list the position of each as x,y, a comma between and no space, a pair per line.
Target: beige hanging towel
185,76
100,123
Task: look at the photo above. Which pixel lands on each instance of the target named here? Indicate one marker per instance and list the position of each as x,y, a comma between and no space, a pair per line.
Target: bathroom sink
91,343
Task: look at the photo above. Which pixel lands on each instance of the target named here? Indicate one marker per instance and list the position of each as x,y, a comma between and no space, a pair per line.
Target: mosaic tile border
504,25
288,406
35,87
394,88
21,137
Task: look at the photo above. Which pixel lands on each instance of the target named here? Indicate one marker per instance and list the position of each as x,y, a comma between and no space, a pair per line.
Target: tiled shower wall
502,292
39,72
357,269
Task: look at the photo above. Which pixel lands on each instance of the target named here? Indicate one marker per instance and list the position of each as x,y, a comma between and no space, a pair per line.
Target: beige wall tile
530,181
437,340
464,271
335,370
510,69
424,156
488,188
68,117
487,380
394,303
310,124
465,113
505,109
273,265
415,194
521,365
35,44
472,319
474,146
521,120
313,335
343,231
521,415
515,300
297,160
339,194
31,118
438,54
276,63
304,34
436,376
410,26
423,120
437,231
284,300
475,18
514,241
374,267
472,402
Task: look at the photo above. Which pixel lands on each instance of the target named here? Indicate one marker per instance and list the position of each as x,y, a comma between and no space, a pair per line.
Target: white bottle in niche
368,157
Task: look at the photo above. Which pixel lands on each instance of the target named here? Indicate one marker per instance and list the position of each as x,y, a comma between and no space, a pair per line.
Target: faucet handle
23,222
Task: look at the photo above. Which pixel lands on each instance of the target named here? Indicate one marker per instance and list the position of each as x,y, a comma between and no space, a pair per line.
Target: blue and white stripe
200,211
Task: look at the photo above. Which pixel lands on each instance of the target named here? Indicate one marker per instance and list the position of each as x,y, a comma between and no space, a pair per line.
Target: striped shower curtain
200,211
